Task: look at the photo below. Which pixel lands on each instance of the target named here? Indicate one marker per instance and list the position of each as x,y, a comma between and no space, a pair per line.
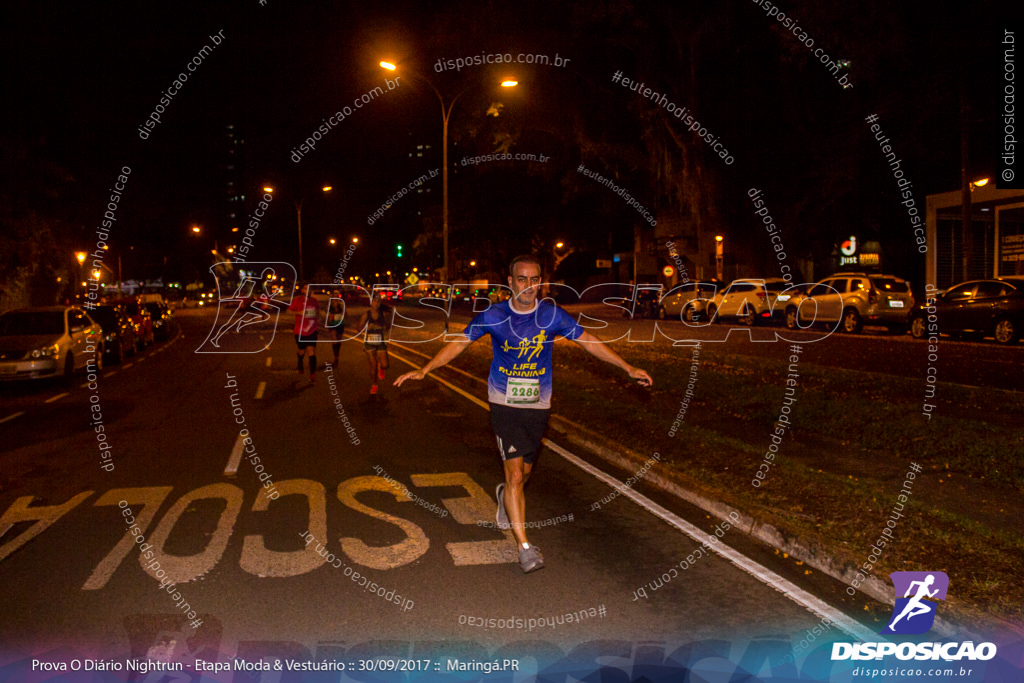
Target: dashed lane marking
235,458
58,397
260,388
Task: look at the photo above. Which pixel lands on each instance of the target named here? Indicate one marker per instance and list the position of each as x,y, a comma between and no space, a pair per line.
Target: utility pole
966,228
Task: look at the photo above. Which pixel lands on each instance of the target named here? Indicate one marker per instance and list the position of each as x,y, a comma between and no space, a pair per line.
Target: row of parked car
54,341
848,301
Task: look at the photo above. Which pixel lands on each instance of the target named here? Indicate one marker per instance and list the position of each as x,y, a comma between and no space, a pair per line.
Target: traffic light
398,250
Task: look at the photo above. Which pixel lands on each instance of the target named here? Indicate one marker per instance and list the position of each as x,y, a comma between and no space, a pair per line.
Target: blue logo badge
914,613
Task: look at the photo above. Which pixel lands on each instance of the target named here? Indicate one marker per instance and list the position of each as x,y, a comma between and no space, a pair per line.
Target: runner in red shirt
307,309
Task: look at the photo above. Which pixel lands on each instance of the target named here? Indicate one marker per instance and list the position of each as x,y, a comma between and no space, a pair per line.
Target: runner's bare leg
371,357
517,473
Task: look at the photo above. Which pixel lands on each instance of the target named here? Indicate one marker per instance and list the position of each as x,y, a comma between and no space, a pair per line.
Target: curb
813,556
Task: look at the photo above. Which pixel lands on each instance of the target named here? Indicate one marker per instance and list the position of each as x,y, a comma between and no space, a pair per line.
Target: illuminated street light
298,218
446,114
719,256
559,257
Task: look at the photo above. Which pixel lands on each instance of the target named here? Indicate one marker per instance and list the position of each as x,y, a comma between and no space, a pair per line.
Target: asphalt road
396,488
236,552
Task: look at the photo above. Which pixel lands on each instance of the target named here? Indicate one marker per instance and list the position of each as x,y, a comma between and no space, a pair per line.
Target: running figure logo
914,613
532,346
252,301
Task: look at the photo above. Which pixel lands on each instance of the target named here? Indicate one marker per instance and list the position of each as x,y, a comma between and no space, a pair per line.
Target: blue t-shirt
521,370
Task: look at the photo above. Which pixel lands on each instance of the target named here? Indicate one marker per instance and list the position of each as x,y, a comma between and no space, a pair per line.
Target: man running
307,309
522,331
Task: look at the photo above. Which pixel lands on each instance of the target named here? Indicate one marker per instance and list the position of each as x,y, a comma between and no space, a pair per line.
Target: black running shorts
519,431
303,341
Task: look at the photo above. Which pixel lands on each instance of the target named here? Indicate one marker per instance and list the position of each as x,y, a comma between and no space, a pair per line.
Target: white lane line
111,373
12,416
790,590
269,360
127,365
451,386
236,457
758,571
448,367
260,388
143,358
57,397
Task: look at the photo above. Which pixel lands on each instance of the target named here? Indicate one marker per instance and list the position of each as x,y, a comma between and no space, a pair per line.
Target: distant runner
335,325
376,322
519,385
306,327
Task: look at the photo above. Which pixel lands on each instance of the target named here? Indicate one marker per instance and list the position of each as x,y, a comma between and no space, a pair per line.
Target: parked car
645,303
687,301
744,300
163,319
980,308
118,330
780,292
497,294
48,341
142,320
854,300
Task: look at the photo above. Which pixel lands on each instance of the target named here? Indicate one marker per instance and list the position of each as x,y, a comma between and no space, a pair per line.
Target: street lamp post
719,257
298,220
446,114
559,257
80,256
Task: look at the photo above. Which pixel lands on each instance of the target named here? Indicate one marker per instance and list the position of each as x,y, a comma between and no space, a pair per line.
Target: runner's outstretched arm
447,354
596,348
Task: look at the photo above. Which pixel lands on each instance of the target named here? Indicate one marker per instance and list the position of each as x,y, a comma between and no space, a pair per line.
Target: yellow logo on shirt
533,346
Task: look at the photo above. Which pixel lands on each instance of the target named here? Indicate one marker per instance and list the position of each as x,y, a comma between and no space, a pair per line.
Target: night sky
80,79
